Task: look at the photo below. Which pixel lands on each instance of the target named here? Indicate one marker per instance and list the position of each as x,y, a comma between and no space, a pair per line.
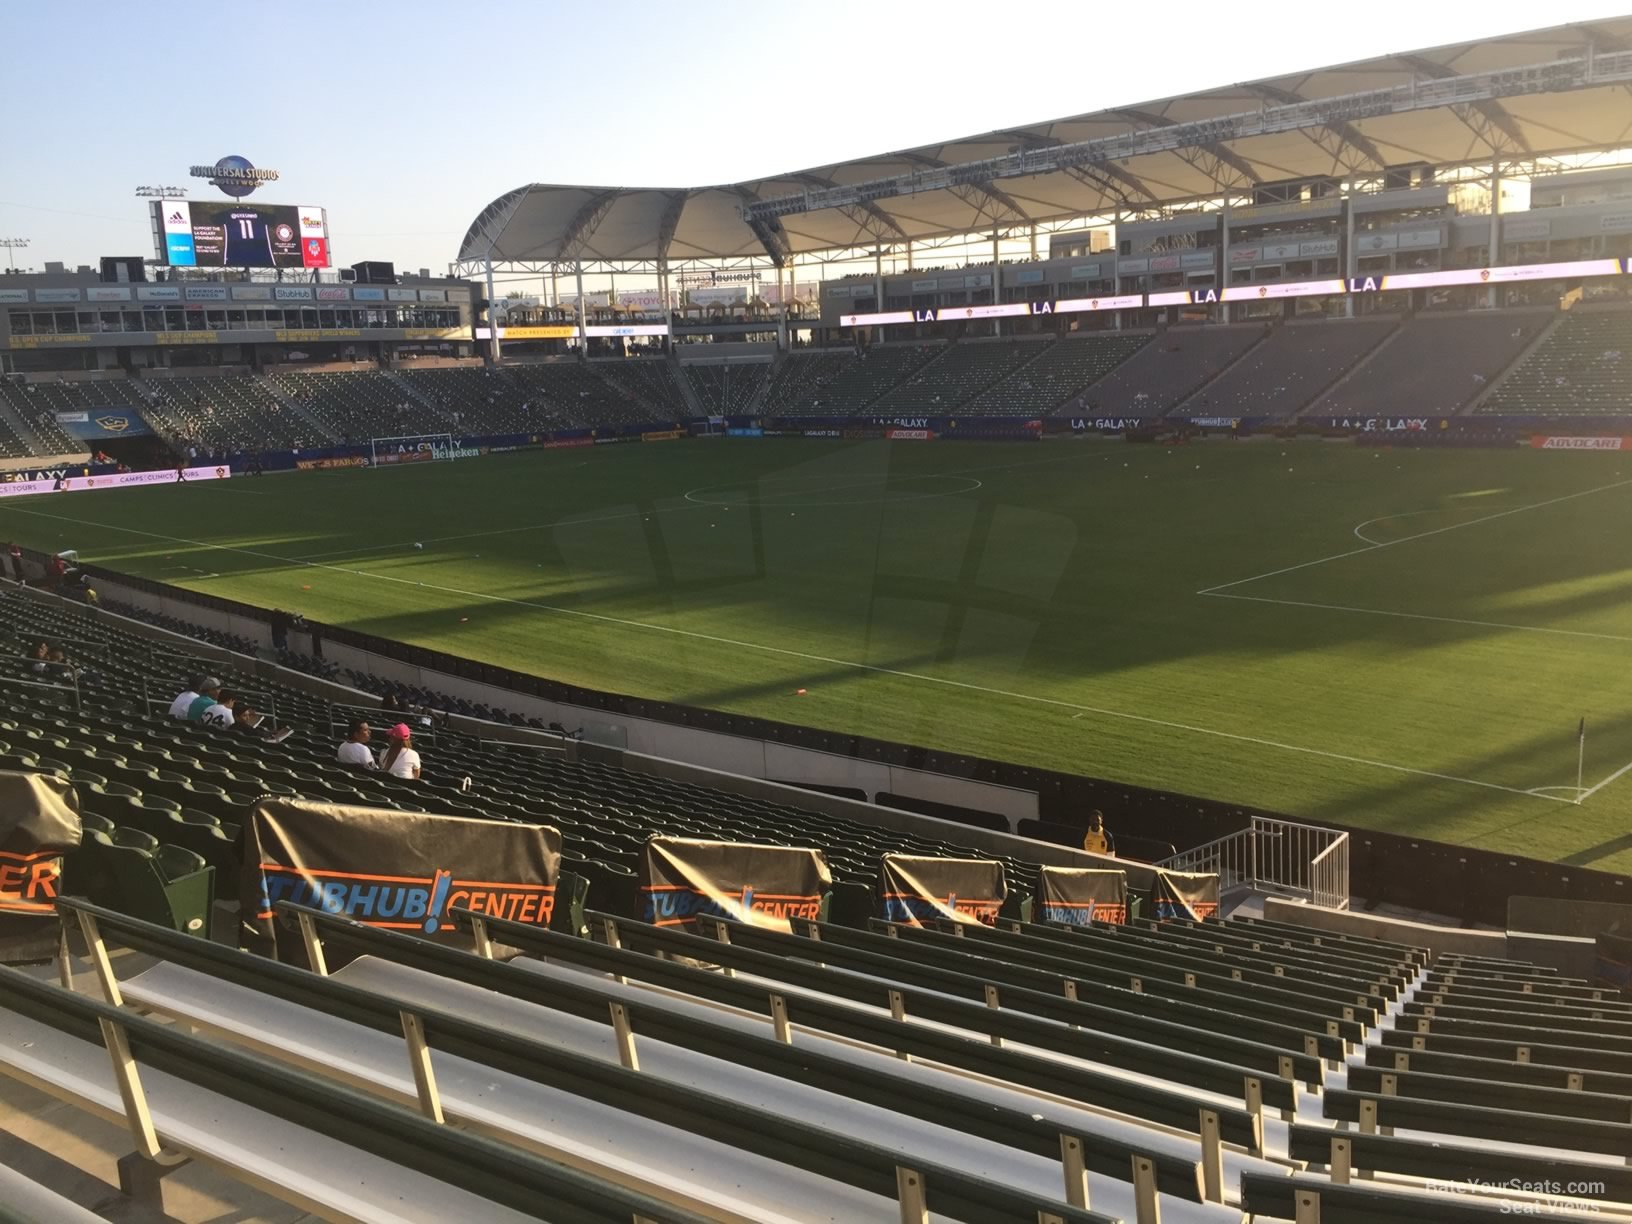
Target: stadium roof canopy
1518,98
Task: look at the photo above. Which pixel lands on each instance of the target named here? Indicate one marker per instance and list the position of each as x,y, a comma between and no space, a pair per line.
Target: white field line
1591,791
1446,620
1421,535
815,658
1384,518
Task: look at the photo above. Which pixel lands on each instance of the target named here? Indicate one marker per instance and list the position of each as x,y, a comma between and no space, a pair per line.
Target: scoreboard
241,234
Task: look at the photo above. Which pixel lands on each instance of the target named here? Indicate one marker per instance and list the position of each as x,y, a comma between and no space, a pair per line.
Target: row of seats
1051,383
1289,368
354,406
726,389
605,813
852,386
1435,365
1147,1071
37,404
964,372
1430,364
227,413
1580,369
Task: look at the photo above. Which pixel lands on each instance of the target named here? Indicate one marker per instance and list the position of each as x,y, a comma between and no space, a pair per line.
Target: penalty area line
1422,616
782,651
1421,535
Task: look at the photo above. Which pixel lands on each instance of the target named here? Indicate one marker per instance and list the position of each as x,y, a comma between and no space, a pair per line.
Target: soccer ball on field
419,548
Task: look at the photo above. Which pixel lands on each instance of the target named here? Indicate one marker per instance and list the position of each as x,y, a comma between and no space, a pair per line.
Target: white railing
1276,856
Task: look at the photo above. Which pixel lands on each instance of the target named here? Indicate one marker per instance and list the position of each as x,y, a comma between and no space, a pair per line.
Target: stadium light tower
161,193
13,244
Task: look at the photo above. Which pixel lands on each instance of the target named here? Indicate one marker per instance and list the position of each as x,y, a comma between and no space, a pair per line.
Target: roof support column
1034,242
878,290
909,254
555,290
583,335
782,310
492,316
1350,264
663,303
1223,277
997,284
1495,226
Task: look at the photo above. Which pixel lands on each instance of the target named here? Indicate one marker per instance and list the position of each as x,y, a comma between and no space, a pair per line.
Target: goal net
413,448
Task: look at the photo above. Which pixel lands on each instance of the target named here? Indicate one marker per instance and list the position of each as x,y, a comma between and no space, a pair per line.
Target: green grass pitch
1403,640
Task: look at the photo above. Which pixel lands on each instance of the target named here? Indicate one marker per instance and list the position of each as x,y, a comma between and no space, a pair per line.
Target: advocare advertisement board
914,889
763,885
401,871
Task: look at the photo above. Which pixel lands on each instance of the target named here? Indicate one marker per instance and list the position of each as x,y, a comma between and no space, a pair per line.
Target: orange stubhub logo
404,903
29,883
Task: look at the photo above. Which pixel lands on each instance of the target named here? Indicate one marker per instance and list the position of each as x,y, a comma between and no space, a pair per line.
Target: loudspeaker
123,269
375,273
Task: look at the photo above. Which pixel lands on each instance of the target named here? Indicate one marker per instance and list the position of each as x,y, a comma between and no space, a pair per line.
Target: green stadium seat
129,838
165,885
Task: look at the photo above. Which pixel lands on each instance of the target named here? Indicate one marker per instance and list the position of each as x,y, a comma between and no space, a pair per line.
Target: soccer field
1403,640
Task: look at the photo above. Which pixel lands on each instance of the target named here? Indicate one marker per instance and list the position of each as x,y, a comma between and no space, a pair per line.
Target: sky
404,119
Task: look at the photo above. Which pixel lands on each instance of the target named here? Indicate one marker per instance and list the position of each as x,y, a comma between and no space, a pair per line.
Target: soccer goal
412,448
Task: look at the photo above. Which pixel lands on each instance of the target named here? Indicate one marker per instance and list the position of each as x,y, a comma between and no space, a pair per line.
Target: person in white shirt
180,706
400,760
219,715
354,750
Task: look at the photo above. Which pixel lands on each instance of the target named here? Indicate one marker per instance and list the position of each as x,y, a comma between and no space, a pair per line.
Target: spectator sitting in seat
400,760
184,701
354,751
219,715
247,720
207,694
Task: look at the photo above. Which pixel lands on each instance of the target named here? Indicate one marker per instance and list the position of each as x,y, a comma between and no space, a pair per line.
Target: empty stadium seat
1580,369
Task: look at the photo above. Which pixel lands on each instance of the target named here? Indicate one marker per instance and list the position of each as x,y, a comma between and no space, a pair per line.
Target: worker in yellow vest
1096,840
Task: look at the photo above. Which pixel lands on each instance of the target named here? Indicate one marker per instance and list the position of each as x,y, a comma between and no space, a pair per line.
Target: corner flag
1580,756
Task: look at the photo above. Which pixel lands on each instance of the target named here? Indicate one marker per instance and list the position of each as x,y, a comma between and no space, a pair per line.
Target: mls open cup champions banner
39,821
1080,895
402,871
682,877
915,890
1185,894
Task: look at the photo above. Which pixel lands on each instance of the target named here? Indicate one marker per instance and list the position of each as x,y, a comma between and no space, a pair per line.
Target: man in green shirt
207,693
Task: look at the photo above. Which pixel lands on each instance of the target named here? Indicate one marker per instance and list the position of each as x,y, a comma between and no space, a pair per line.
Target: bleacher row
838,1074
854,1070
1430,364
181,782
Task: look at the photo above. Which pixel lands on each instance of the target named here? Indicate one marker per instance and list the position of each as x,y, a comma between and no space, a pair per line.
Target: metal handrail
1283,857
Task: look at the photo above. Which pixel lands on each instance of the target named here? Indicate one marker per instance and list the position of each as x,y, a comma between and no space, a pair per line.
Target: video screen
242,234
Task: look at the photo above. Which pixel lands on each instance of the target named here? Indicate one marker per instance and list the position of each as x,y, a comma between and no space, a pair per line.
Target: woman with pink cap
400,759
